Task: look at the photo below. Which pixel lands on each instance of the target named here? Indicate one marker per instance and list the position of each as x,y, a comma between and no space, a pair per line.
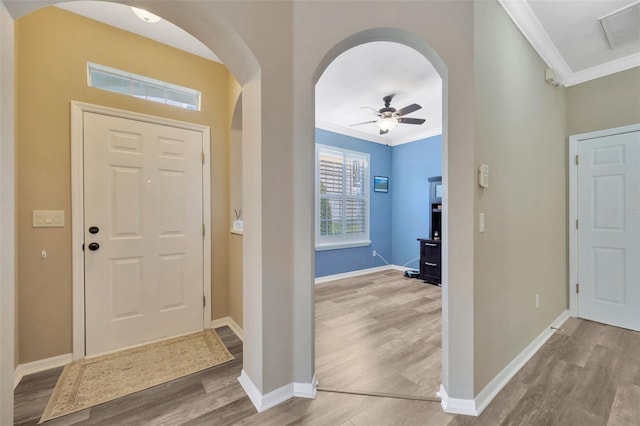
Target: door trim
77,209
573,204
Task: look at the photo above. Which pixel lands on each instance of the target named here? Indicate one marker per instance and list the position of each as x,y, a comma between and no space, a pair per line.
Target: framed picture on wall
380,184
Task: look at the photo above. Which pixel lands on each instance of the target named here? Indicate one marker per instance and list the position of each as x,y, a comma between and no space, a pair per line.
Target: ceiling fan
389,116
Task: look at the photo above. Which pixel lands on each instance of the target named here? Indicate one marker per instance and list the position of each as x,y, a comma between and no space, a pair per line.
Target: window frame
342,240
142,82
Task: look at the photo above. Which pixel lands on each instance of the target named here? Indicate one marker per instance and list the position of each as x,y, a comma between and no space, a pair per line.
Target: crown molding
347,131
528,24
417,137
604,70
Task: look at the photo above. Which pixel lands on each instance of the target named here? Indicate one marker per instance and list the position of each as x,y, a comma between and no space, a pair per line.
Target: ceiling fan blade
408,120
383,132
364,122
408,109
374,110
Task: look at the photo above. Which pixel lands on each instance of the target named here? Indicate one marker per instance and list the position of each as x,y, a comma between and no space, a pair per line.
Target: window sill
343,245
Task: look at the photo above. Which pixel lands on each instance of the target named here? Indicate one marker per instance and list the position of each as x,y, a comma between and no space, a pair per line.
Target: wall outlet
375,253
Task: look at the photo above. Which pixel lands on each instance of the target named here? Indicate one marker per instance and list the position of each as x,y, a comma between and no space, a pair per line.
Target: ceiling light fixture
387,123
146,16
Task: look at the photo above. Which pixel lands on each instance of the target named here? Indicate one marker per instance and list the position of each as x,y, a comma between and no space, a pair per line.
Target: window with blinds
342,198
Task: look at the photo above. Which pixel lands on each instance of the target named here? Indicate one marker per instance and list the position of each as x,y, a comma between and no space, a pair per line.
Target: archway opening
355,313
241,64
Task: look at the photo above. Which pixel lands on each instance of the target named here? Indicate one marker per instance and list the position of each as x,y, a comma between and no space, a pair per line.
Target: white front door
143,232
609,229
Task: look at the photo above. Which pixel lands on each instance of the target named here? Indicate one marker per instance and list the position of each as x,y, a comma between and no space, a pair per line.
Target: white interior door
609,229
143,232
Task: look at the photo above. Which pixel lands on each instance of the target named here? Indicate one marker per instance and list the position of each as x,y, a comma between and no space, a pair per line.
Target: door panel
126,201
609,234
143,190
125,282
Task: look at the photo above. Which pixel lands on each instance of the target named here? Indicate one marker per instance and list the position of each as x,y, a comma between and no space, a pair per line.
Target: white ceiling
363,75
566,34
121,16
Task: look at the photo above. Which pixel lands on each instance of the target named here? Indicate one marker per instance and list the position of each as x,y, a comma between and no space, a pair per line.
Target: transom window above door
139,86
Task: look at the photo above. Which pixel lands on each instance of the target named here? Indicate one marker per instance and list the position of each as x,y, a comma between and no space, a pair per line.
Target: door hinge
577,160
204,301
203,158
577,223
577,288
82,247
203,229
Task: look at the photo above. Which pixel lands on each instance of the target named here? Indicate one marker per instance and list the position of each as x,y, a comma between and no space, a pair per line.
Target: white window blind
342,198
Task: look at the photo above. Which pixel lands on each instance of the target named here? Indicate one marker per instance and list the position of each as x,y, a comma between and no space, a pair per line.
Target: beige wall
520,133
235,278
7,247
235,199
607,102
53,47
235,240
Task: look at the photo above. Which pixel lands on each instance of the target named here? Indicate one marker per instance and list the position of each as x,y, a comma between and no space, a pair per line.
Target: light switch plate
48,219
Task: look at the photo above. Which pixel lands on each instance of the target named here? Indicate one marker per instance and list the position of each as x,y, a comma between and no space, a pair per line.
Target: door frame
77,209
574,140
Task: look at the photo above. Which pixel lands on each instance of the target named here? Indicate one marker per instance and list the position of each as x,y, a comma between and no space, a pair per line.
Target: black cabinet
431,248
431,261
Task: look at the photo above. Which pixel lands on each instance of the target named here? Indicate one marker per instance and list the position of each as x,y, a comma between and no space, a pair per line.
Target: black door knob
94,230
94,246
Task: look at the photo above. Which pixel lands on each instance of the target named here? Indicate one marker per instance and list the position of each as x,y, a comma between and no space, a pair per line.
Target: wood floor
586,374
379,333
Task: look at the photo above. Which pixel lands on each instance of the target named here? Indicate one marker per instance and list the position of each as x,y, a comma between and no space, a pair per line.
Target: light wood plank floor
380,333
587,374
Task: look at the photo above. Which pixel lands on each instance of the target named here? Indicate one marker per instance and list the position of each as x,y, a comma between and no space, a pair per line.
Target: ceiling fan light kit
389,116
387,123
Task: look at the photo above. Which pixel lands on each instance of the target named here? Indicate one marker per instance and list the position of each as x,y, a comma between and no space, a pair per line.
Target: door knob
94,230
94,246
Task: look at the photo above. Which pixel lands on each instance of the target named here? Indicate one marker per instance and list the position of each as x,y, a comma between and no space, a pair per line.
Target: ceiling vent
622,26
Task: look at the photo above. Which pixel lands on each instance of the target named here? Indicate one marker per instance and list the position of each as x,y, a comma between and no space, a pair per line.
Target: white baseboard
492,389
38,366
475,407
278,396
229,322
466,407
400,268
359,272
306,390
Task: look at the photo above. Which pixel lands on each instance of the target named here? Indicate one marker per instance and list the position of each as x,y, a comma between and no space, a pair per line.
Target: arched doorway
378,333
421,46
246,70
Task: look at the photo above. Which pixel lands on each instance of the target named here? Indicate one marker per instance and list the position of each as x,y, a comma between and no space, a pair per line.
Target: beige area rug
90,382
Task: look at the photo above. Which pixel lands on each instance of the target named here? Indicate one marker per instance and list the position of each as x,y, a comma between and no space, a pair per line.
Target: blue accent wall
330,262
398,217
412,164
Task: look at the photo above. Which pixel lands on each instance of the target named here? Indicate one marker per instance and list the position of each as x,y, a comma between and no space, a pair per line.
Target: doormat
90,382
